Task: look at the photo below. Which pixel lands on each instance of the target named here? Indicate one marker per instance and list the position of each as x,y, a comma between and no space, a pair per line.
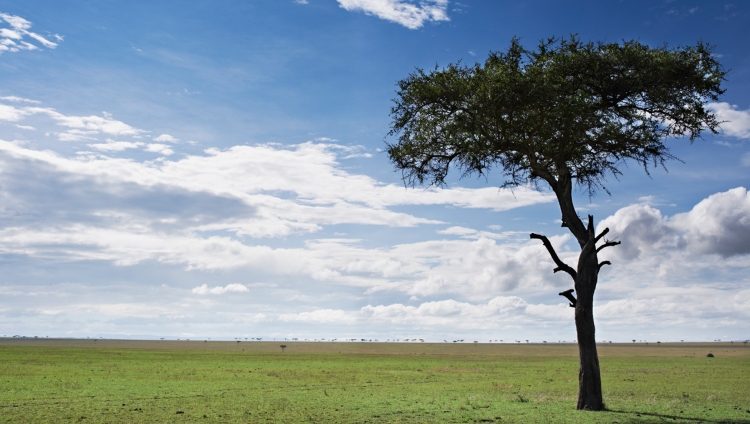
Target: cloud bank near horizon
113,200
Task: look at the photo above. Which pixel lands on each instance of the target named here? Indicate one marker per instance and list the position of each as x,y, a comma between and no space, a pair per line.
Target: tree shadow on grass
649,416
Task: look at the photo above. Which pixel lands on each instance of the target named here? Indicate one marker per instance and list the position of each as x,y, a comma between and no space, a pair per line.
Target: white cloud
273,191
738,121
12,114
300,1
319,316
18,99
82,128
212,211
42,40
407,13
229,288
512,317
94,124
718,225
159,148
449,315
115,146
16,22
322,192
475,269
11,39
458,231
76,135
165,138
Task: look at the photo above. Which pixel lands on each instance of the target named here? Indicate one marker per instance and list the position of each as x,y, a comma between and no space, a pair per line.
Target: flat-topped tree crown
568,112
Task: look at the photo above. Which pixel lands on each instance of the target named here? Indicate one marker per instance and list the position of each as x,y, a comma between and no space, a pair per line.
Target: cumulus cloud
475,269
737,121
13,38
215,211
717,225
410,14
229,288
210,203
513,317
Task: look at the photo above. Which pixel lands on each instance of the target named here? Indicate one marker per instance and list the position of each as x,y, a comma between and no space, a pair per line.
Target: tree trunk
585,279
589,380
587,273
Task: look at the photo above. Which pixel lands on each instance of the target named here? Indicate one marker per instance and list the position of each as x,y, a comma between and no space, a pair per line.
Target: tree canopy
566,113
568,110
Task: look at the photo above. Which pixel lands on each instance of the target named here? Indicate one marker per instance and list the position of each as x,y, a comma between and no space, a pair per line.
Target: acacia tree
566,114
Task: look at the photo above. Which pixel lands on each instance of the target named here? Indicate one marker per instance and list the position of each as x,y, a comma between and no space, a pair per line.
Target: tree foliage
569,110
568,113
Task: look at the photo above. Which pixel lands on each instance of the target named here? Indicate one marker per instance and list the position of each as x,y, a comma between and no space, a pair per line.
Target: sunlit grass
54,384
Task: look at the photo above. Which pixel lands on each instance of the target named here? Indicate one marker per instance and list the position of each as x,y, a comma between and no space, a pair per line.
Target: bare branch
568,294
561,266
602,263
608,244
596,240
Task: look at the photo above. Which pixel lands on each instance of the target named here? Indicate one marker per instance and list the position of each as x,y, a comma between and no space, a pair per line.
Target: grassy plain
45,380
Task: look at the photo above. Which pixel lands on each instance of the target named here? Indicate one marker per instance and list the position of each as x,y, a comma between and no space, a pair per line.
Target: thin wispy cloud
18,99
115,146
410,14
15,35
76,128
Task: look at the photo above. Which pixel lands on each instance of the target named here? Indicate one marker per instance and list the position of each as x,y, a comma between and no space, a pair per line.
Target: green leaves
566,110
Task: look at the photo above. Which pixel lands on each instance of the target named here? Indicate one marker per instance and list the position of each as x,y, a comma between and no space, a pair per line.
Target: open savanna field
60,380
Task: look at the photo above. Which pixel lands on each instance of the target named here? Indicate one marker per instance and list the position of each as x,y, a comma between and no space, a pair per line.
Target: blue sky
191,169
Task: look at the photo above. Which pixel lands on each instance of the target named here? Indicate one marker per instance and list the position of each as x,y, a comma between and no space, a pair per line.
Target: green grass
54,384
